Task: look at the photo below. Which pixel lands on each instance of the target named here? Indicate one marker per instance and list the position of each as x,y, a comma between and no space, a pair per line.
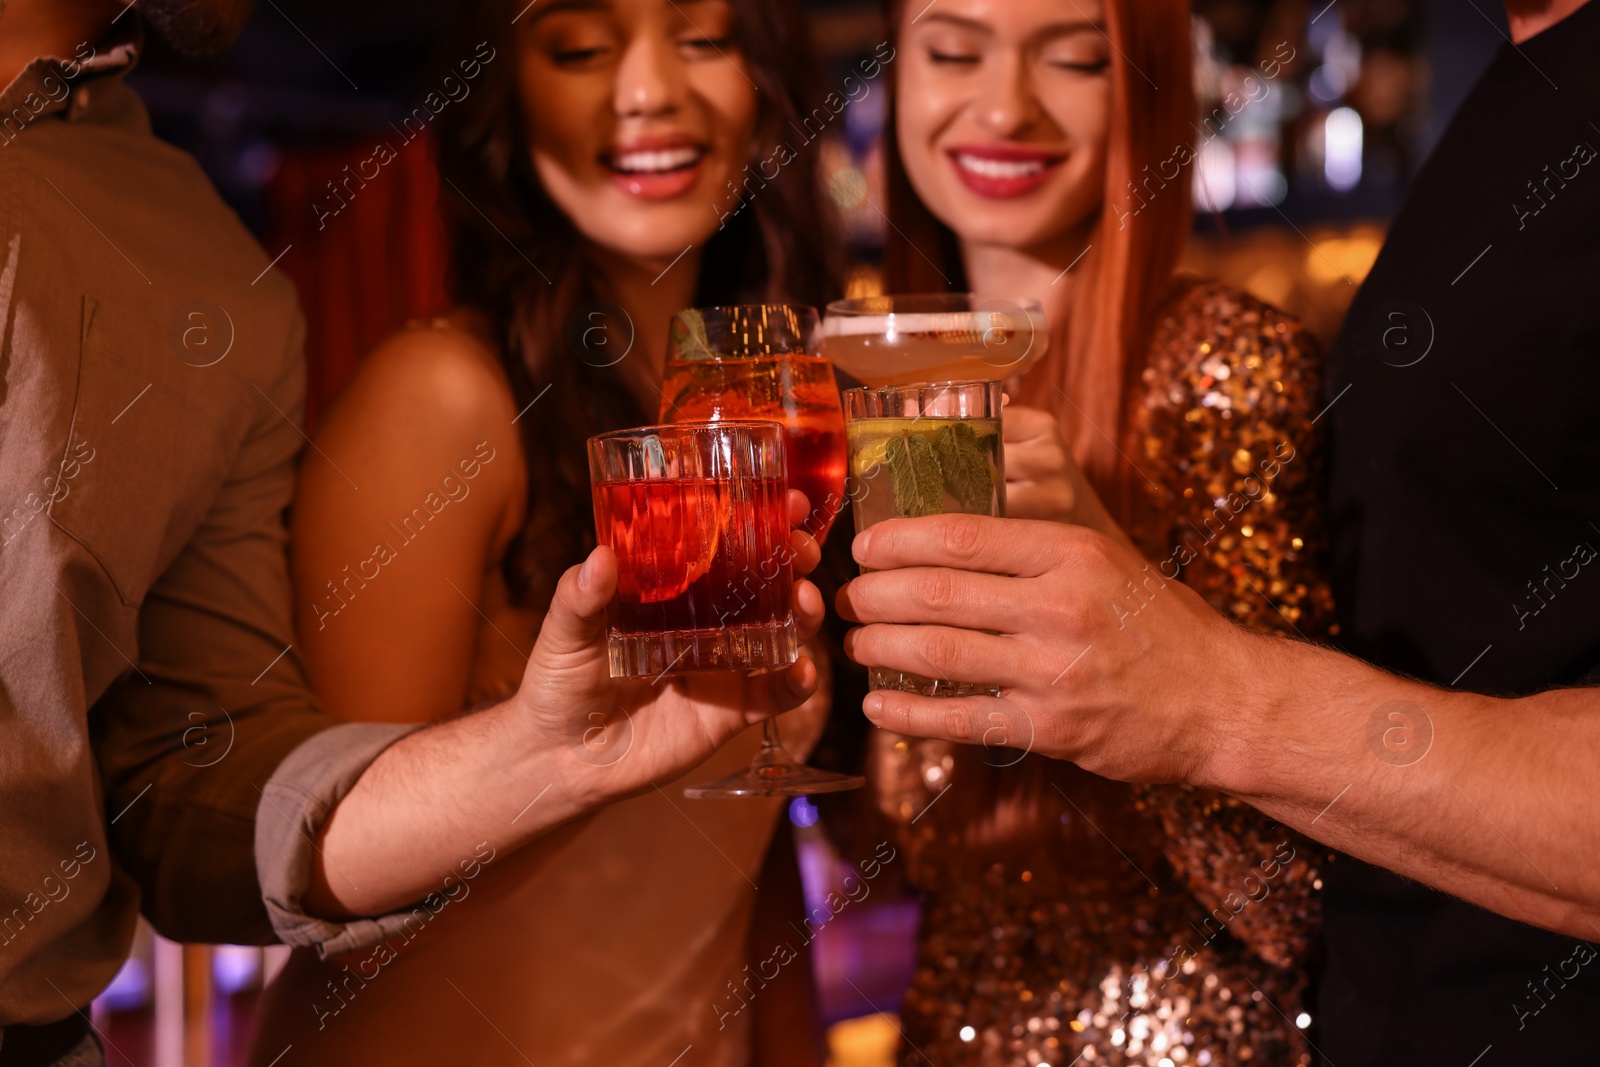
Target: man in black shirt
1465,511
1464,398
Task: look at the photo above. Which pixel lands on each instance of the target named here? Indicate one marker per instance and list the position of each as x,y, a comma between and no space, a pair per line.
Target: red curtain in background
365,255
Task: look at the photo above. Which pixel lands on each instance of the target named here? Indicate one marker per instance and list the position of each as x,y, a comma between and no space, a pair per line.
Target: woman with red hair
1044,149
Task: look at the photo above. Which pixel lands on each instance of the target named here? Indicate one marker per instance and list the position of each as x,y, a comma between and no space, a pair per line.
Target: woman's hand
1043,481
622,736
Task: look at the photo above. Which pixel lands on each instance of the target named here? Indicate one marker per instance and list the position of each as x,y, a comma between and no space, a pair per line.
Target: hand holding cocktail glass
1101,660
703,574
925,433
628,734
693,511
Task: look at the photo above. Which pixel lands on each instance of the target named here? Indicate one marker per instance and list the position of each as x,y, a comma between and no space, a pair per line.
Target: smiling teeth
999,168
655,162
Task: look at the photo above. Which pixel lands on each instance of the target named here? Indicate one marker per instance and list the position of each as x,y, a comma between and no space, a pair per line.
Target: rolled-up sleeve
295,804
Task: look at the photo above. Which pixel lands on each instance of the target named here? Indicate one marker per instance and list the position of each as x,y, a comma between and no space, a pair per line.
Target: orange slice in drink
665,533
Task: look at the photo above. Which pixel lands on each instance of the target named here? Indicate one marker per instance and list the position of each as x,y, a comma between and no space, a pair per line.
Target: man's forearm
571,741
1133,676
428,800
1490,800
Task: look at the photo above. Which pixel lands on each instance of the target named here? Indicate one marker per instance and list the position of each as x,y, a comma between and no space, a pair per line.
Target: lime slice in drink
868,441
871,454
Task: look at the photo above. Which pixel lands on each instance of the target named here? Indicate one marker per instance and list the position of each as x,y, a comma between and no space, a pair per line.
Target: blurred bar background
1292,199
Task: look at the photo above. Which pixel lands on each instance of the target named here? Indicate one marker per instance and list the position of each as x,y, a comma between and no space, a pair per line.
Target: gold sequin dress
1071,920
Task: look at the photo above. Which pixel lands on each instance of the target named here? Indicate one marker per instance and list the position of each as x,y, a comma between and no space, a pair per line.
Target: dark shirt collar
59,83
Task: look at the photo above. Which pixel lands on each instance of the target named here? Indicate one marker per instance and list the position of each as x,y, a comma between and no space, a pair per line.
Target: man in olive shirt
151,382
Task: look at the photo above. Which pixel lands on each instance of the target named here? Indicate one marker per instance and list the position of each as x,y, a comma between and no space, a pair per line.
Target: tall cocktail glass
920,450
759,361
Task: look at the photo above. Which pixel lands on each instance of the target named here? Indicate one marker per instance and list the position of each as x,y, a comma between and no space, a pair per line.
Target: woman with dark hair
595,182
1044,149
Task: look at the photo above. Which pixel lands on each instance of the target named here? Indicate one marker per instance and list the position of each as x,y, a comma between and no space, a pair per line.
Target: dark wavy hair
521,263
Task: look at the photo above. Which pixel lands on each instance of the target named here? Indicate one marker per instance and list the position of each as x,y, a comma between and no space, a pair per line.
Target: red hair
1098,347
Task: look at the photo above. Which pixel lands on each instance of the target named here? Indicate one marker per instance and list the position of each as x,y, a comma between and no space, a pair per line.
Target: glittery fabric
1068,919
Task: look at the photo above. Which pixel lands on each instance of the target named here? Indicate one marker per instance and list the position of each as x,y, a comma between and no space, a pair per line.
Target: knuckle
1074,617
1097,548
942,649
958,723
960,536
1054,549
567,585
1011,730
1081,548
937,590
888,538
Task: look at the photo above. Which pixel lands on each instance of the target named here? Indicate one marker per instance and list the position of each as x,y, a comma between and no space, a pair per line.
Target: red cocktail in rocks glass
696,514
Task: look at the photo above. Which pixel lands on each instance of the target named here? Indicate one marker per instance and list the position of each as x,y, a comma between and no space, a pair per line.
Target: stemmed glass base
774,773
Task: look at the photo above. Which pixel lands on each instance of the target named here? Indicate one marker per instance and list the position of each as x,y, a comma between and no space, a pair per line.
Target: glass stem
772,750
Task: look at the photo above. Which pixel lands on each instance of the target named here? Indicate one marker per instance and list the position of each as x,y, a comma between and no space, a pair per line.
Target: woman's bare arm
406,501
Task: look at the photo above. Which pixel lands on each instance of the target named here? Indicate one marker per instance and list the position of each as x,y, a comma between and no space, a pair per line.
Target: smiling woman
586,180
595,174
1024,120
646,185
954,156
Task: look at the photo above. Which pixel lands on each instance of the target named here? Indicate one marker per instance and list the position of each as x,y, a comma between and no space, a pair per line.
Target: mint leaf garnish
689,335
964,462
914,471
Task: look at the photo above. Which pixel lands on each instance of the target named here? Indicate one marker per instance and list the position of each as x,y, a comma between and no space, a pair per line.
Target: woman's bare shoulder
432,394
417,475
448,366
436,381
